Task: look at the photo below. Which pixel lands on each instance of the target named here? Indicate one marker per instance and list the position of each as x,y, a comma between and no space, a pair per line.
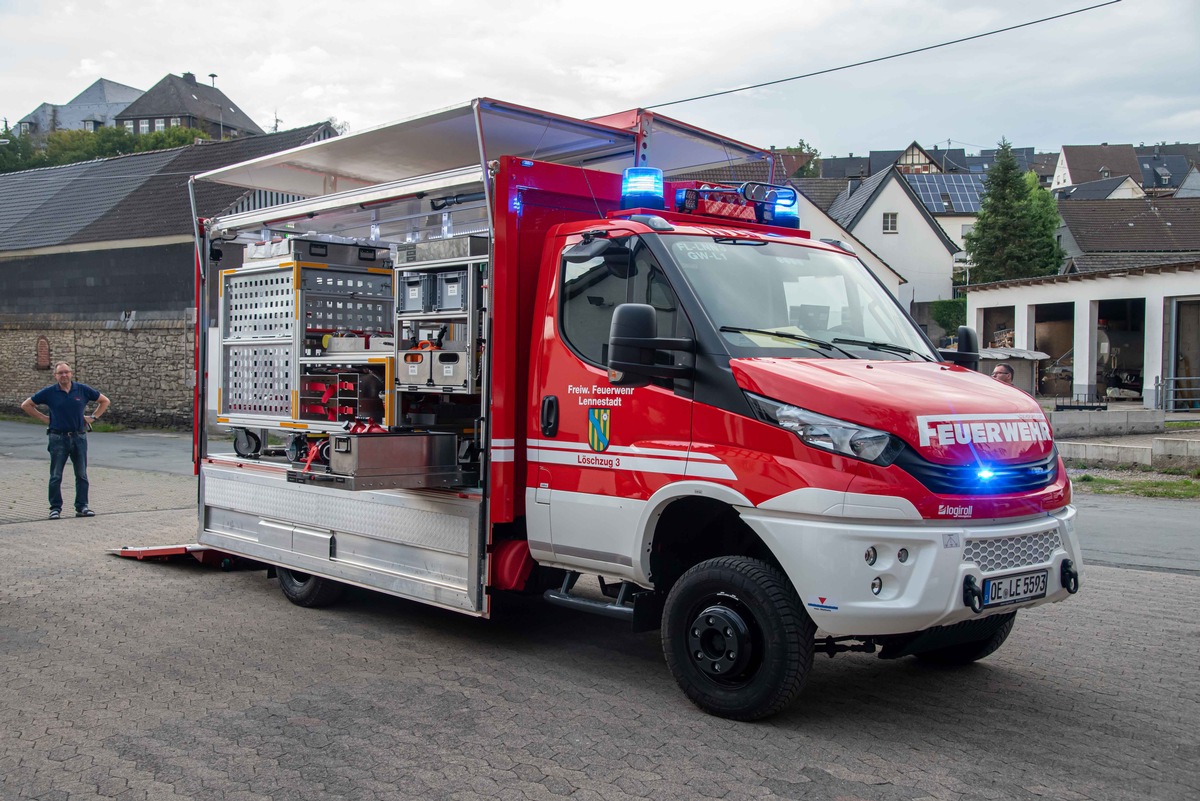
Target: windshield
776,299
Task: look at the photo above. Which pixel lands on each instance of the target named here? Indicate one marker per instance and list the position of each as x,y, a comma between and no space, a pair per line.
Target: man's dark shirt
66,408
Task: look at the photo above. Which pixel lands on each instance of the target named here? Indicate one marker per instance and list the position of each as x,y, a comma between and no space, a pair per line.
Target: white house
884,213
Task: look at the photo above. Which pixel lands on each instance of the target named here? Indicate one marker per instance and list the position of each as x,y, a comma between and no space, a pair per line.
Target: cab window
626,273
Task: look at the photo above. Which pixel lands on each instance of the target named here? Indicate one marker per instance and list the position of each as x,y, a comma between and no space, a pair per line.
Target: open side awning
473,133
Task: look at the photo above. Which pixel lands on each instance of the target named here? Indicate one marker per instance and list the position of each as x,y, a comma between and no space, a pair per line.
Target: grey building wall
124,319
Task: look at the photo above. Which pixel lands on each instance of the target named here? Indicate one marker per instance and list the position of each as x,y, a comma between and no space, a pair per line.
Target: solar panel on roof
953,193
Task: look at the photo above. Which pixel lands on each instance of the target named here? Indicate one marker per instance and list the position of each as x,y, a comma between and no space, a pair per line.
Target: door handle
550,416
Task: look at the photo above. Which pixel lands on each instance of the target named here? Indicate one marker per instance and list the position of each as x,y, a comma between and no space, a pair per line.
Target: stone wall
143,366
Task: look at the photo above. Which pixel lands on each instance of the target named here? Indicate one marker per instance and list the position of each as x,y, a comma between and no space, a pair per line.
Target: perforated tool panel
259,379
259,305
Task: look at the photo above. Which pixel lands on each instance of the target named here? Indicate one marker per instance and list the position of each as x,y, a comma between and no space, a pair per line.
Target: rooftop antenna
213,76
275,128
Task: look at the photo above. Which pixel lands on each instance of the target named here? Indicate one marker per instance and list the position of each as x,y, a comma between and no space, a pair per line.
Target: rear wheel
304,589
968,652
736,638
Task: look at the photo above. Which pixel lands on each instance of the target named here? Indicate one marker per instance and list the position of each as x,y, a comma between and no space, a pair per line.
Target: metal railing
1177,393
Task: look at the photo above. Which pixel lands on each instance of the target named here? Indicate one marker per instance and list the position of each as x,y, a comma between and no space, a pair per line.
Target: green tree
70,147
812,169
949,314
1045,252
18,154
1010,239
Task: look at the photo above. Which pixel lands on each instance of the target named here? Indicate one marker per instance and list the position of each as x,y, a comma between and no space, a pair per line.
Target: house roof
1138,225
176,96
127,197
1087,163
880,160
101,102
1189,150
952,159
846,167
1155,168
1092,190
852,200
1099,262
740,172
850,206
821,191
1187,266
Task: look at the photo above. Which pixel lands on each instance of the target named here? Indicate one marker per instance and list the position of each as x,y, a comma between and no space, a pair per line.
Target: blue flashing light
984,474
642,187
787,209
526,163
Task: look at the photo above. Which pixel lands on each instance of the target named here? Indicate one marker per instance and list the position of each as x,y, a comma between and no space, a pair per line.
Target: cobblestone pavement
137,680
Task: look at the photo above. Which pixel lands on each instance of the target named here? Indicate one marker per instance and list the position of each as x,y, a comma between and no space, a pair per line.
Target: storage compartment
414,296
450,370
392,454
452,291
414,373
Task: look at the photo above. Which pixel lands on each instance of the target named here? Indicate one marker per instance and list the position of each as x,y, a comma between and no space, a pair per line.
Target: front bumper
826,562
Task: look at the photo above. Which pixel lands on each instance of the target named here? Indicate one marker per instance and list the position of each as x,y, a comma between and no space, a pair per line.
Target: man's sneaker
55,514
85,512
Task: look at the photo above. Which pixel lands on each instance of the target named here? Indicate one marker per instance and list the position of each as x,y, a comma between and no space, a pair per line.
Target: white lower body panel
826,561
422,545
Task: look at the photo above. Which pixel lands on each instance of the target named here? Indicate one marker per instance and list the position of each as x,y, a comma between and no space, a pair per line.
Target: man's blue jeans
62,447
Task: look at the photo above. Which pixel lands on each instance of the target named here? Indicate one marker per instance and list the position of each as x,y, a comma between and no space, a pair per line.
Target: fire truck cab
493,349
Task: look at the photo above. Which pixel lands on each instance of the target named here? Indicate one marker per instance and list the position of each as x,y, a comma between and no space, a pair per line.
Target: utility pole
275,127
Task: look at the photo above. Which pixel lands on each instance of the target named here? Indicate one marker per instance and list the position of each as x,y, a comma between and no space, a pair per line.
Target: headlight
829,433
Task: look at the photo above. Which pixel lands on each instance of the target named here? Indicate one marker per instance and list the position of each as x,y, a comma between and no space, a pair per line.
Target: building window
160,125
144,126
967,228
890,222
174,122
24,129
129,125
89,126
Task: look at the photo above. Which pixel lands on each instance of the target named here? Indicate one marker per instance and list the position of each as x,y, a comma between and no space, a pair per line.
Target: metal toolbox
450,369
396,455
412,369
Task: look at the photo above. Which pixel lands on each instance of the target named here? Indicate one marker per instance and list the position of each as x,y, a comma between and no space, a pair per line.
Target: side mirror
633,325
632,343
967,354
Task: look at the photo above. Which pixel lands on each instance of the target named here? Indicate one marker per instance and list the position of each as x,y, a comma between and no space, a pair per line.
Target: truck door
599,452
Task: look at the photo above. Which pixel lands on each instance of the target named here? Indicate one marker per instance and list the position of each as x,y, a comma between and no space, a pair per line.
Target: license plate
1014,589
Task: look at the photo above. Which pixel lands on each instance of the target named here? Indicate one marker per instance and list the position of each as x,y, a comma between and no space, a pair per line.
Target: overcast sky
1123,73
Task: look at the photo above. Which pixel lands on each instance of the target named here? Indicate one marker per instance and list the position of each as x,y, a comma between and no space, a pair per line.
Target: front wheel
736,638
304,589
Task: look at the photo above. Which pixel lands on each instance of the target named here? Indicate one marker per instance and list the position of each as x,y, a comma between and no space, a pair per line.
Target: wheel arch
688,522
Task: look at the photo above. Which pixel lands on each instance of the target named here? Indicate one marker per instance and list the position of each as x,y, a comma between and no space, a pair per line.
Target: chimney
189,77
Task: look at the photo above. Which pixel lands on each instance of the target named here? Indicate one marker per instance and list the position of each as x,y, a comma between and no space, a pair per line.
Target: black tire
736,638
246,443
303,589
968,652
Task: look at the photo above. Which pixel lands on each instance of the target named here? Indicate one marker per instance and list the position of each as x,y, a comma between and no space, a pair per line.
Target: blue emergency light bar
642,187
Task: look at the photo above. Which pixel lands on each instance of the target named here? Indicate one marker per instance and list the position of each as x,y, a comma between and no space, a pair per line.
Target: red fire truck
492,349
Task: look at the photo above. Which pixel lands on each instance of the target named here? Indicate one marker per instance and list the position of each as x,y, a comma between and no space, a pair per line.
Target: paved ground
121,679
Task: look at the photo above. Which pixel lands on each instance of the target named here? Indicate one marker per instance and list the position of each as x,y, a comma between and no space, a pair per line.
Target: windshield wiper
737,329
888,346
731,240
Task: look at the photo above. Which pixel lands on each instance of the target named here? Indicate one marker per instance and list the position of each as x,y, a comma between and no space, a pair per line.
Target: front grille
945,479
1010,553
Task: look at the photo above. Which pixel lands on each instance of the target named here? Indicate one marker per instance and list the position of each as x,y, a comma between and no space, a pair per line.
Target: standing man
67,427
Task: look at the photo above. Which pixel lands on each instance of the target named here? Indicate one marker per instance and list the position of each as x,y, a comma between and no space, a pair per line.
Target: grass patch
1183,488
100,427
1184,424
